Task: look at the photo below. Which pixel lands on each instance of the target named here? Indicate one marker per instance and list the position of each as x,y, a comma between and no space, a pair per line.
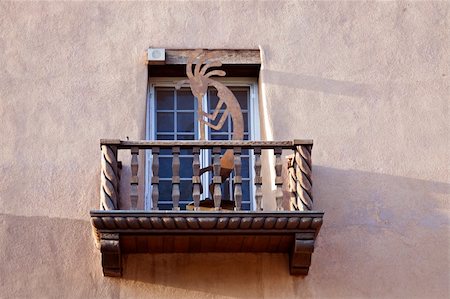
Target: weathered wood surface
217,179
155,177
300,254
179,221
134,181
196,183
226,144
300,178
245,56
207,243
278,179
182,231
237,178
258,179
111,254
109,190
176,177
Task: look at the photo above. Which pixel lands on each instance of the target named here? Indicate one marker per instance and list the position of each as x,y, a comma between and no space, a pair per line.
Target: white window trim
254,129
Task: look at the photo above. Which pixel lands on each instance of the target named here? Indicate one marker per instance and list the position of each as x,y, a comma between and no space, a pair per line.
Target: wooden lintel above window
226,56
236,63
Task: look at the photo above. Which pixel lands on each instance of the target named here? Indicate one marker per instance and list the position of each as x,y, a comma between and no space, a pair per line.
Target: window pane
219,137
165,190
185,100
164,137
185,122
164,122
186,191
212,99
186,167
185,137
242,97
245,115
245,167
164,99
165,167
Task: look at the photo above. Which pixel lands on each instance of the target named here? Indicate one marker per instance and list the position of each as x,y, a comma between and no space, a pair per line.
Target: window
172,115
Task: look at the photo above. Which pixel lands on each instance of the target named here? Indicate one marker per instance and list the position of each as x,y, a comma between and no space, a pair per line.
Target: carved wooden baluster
134,181
237,179
278,178
303,173
217,180
109,180
258,179
176,177
196,184
155,178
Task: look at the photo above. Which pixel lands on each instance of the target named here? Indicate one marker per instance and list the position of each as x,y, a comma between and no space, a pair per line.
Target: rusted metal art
200,79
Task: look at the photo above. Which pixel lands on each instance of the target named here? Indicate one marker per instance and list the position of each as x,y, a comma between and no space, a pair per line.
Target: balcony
290,229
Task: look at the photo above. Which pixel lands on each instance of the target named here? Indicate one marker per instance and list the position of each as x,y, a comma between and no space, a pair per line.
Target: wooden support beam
300,255
111,255
245,56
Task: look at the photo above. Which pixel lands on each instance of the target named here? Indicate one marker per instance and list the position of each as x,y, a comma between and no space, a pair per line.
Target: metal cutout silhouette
199,80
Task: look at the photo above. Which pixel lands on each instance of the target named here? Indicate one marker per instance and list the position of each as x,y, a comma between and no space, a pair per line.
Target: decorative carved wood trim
300,255
298,231
111,255
109,178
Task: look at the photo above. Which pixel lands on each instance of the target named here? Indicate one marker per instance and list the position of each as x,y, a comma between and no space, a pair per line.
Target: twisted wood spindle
196,183
155,177
109,180
303,172
292,182
217,180
258,179
176,177
237,179
134,181
278,178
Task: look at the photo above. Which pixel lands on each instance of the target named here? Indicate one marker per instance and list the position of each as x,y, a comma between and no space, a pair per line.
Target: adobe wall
367,81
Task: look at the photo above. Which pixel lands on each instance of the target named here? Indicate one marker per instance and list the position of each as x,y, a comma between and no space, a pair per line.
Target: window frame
150,133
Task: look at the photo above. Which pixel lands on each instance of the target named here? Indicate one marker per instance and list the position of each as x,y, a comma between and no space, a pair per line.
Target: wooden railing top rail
146,144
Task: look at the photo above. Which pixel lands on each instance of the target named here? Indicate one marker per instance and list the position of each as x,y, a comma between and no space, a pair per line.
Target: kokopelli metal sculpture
200,80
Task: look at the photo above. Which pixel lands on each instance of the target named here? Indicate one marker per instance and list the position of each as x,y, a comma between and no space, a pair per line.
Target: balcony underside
129,232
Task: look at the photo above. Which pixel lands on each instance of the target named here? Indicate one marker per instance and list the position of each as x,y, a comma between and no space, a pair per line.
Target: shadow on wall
314,83
375,226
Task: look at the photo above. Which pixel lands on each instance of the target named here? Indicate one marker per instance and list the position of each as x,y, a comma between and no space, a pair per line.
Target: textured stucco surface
367,81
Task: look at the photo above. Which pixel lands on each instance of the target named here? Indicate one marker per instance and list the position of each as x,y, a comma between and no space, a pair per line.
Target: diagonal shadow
313,83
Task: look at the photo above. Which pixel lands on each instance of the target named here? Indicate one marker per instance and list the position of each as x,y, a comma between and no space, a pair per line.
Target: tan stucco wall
367,81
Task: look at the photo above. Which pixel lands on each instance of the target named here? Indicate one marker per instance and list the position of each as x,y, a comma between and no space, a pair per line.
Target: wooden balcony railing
292,230
298,168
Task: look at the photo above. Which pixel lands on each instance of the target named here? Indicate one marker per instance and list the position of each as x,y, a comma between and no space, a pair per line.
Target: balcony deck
120,232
